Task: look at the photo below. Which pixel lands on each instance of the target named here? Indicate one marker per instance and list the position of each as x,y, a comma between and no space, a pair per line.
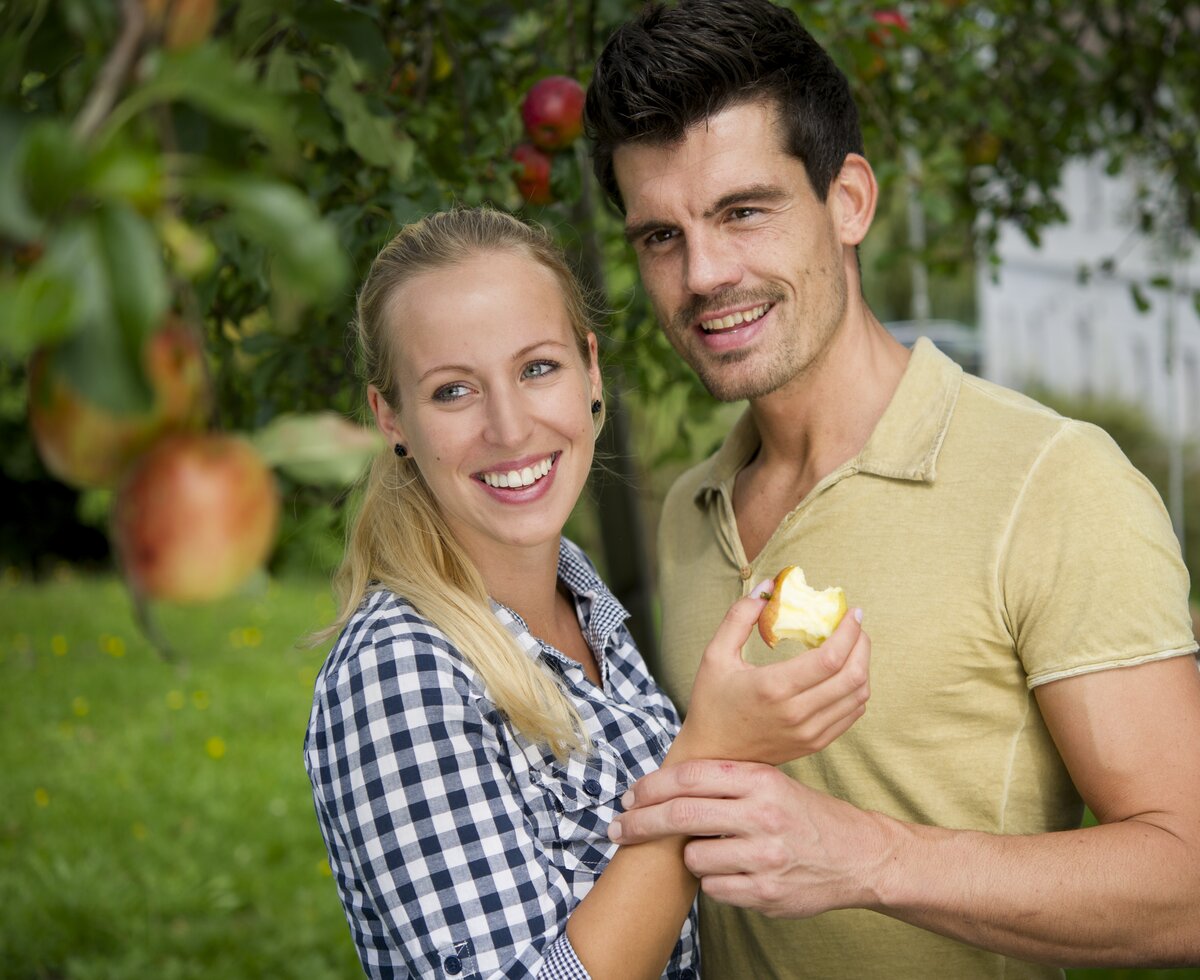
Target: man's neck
816,423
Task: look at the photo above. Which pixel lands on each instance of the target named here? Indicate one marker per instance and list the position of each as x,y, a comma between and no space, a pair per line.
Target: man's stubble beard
792,362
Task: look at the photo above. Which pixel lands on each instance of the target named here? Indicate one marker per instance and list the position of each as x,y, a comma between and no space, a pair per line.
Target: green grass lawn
156,819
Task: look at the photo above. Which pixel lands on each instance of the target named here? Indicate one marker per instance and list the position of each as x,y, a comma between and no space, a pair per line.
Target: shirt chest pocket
576,802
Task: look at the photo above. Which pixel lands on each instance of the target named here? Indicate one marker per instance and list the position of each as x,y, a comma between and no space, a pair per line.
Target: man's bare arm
1123,893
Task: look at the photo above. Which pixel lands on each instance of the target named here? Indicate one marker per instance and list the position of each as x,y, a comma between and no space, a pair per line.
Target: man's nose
712,264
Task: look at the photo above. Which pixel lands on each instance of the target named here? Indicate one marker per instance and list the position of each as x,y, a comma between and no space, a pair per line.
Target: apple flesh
796,611
88,446
553,112
196,515
533,179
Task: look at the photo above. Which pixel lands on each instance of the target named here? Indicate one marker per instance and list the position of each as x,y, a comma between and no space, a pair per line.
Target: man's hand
762,840
780,711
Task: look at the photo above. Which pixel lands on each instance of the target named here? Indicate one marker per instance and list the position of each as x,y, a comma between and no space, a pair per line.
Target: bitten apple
195,516
88,446
798,611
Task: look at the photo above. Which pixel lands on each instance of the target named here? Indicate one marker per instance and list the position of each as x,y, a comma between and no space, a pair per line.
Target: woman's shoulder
389,639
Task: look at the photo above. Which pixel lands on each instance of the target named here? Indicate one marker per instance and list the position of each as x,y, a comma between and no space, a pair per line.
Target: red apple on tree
533,179
86,445
891,23
553,112
194,517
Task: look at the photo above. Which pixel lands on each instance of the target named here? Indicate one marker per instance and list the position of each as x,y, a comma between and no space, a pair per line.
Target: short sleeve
438,868
1091,575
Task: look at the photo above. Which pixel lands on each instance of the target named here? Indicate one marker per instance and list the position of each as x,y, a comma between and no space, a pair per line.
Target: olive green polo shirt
993,546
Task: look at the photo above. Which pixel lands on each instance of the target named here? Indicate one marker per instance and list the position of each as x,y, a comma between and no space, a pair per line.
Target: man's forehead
738,147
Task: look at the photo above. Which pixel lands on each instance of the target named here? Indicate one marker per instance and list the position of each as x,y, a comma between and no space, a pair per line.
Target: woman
484,709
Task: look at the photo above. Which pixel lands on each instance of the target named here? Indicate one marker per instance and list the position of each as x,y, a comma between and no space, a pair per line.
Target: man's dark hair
674,66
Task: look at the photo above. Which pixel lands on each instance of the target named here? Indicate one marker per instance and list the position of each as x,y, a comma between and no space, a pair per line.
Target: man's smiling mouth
741,318
524,477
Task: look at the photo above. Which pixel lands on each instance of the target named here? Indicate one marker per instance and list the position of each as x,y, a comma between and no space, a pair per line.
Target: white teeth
520,478
725,322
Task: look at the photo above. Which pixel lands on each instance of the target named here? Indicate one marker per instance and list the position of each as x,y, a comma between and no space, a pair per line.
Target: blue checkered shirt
459,847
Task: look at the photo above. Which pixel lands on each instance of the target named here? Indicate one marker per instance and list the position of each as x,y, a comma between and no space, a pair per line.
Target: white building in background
1043,326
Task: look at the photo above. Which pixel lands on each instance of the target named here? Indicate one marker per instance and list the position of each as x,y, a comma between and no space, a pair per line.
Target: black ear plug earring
596,406
399,450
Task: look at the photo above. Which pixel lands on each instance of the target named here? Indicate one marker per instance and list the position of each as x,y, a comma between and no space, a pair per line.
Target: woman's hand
779,711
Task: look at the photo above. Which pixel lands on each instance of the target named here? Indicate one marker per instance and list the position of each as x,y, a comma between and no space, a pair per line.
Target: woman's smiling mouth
525,476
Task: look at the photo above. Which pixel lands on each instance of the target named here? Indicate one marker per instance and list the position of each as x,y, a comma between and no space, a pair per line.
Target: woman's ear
854,195
386,417
593,367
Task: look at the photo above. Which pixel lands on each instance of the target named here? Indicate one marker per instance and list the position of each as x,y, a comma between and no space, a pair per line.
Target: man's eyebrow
641,229
746,195
743,195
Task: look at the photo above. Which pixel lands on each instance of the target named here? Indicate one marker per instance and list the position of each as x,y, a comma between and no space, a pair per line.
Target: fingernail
627,799
764,588
858,615
614,831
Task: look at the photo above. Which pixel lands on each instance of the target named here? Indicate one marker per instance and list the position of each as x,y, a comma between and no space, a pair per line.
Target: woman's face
494,400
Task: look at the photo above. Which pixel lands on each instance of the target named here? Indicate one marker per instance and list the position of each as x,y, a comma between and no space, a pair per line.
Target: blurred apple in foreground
195,516
88,446
796,611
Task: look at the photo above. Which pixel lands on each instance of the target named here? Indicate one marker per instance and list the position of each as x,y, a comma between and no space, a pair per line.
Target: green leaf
136,279
17,220
96,362
53,165
322,448
207,78
304,247
375,138
127,173
352,30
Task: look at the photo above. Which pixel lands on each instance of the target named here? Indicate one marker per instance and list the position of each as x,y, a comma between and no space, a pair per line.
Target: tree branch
114,72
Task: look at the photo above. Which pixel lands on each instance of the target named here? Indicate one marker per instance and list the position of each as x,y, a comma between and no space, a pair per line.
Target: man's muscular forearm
1122,893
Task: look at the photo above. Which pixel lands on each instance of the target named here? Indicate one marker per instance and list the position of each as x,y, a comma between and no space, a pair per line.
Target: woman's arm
628,924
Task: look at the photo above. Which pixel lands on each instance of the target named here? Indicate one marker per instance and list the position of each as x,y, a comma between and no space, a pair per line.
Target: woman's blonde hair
399,539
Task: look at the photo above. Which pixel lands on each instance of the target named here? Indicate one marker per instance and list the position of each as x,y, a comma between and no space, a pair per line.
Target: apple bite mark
797,611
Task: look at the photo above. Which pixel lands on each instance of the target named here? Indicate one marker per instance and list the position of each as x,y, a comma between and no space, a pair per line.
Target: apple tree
190,192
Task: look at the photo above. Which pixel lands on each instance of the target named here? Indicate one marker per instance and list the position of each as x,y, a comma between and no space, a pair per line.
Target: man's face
742,262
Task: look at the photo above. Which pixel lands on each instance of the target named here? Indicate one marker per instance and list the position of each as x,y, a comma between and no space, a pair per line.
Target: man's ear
386,418
854,195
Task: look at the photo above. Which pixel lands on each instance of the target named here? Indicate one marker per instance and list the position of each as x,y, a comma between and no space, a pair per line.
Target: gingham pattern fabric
458,847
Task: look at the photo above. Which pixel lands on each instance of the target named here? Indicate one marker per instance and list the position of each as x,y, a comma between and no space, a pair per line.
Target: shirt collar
600,611
906,440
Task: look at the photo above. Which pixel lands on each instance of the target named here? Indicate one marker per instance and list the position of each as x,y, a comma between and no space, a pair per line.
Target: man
1024,593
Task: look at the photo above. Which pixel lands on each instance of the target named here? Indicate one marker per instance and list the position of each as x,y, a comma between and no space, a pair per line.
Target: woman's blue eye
449,393
539,369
